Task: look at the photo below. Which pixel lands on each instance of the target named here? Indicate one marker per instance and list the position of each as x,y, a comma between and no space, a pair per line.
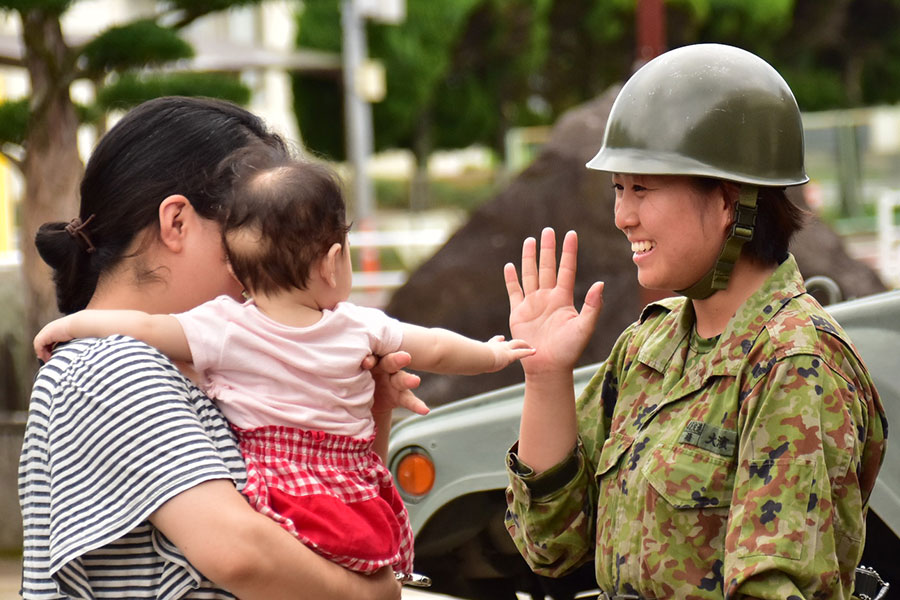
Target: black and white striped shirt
114,431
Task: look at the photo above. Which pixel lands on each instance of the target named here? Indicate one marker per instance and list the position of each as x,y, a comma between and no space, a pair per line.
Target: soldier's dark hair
281,216
165,146
777,220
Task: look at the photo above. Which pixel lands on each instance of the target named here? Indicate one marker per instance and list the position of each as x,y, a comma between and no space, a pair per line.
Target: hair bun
55,245
71,264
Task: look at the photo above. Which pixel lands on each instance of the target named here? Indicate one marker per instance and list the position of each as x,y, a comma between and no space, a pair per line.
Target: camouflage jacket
746,473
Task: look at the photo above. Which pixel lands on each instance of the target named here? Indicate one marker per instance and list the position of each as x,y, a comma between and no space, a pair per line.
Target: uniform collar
743,328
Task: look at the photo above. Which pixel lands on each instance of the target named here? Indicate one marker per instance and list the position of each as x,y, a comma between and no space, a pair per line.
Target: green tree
464,71
458,73
416,55
590,46
38,133
842,53
490,82
833,53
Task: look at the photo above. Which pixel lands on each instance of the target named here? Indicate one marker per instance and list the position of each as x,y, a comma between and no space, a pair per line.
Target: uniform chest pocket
690,478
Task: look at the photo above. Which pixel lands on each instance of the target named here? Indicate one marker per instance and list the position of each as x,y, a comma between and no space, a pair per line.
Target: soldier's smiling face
676,230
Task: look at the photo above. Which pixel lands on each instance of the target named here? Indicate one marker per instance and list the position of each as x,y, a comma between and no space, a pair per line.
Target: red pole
651,29
651,42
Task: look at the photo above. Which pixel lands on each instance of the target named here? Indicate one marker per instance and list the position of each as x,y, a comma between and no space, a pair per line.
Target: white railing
373,287
889,238
418,243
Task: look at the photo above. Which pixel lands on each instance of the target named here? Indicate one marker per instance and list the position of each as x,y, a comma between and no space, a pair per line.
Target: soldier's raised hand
542,311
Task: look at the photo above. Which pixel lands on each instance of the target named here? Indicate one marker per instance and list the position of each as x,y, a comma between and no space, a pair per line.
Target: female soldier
729,444
129,474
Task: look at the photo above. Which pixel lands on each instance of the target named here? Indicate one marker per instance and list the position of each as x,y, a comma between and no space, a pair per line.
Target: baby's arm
163,332
441,351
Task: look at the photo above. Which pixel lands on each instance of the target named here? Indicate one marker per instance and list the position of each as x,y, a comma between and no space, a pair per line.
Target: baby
284,366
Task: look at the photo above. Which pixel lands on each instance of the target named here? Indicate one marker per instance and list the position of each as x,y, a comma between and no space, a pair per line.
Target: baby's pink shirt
261,372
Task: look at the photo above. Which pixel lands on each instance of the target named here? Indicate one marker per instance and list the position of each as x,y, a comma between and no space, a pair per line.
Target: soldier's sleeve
797,518
548,515
551,516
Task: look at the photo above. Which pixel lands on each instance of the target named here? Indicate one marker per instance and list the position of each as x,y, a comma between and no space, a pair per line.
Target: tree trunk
853,74
501,174
421,147
52,166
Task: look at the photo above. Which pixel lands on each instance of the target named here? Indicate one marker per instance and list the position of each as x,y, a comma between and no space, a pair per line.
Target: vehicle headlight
414,471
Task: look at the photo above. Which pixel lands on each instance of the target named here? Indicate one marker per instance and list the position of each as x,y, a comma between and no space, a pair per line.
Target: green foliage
319,107
504,43
878,75
195,8
318,97
319,25
756,26
137,44
416,55
14,120
610,22
51,6
698,9
91,113
461,71
590,47
466,192
130,89
207,6
815,88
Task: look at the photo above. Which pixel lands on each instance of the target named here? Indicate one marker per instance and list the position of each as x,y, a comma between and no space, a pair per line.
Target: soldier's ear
725,200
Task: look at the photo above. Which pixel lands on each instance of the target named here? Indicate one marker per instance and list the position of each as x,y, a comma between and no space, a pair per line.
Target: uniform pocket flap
613,448
690,478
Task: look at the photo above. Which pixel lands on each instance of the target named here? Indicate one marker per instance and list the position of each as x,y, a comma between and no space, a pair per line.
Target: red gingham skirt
332,492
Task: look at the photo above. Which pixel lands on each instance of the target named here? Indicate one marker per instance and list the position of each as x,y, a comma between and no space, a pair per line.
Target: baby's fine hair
282,214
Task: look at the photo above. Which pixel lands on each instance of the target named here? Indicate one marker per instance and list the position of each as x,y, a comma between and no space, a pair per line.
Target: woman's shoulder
95,387
803,326
102,357
112,370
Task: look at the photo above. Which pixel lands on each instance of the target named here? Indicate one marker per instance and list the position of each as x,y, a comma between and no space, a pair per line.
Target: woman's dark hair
777,220
281,215
170,145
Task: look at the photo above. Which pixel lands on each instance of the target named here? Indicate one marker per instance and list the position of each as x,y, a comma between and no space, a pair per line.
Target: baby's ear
244,292
328,265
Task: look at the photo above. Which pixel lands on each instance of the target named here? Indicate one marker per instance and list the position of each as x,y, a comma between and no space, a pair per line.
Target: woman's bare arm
252,556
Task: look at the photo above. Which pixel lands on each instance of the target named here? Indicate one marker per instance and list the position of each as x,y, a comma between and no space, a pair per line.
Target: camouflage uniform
739,468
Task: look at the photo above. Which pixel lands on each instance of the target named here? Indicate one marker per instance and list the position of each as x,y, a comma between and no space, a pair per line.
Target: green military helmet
708,110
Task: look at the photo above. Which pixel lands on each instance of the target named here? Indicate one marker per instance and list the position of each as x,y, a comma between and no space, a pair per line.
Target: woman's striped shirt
114,430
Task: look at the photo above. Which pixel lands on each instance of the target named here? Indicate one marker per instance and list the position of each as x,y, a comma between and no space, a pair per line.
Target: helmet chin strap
741,232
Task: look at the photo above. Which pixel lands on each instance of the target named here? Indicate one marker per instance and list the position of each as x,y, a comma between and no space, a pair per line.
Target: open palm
542,311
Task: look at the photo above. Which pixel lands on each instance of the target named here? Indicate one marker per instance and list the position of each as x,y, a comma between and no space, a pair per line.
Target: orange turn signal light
415,473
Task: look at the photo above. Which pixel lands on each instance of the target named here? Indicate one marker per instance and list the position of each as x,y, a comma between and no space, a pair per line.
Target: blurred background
460,126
